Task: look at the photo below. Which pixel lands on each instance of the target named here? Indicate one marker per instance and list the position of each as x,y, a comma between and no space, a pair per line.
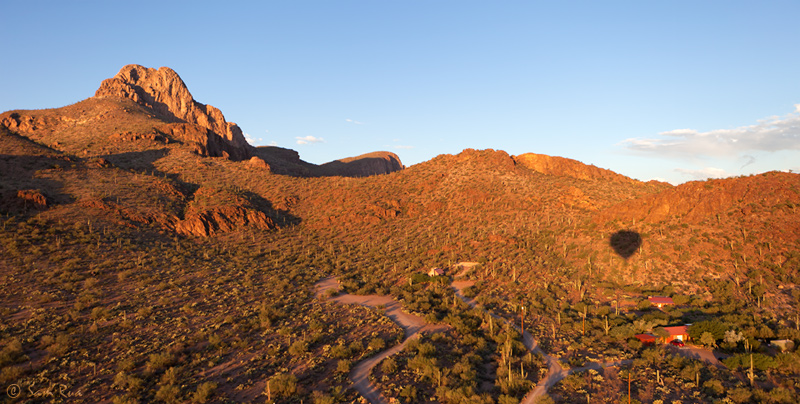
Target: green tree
715,327
708,339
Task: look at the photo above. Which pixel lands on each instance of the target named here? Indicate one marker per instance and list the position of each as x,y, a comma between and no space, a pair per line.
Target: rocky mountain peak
163,91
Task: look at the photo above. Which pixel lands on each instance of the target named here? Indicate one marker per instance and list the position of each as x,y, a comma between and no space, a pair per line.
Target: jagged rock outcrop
216,210
24,200
25,124
375,163
257,162
222,220
163,91
561,166
203,140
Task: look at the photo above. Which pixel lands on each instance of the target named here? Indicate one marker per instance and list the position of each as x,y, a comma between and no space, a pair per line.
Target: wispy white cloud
770,134
704,173
309,139
403,147
273,143
354,121
252,140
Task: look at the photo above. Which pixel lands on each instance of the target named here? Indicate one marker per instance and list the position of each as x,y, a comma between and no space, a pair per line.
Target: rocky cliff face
163,91
215,211
363,165
561,166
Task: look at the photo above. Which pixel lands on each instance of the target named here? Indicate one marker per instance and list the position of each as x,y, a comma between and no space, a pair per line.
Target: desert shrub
463,323
282,385
343,366
356,347
127,382
760,361
420,278
168,393
426,349
340,352
781,395
10,374
170,376
740,395
377,344
298,348
61,345
504,399
204,392
160,360
126,399
322,398
11,353
409,393
715,327
126,365
389,366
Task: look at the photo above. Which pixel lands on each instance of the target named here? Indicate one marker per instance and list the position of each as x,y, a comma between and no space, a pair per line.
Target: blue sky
653,90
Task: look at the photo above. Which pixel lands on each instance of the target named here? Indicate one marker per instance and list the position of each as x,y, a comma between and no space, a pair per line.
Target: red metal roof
660,300
677,330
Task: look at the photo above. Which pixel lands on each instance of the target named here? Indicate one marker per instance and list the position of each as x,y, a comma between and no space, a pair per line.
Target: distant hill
560,166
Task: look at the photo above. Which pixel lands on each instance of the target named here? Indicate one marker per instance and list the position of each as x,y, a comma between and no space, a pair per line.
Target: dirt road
412,326
555,372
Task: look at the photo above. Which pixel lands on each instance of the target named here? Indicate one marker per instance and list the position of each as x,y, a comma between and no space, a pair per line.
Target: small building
436,272
783,344
646,338
660,301
679,332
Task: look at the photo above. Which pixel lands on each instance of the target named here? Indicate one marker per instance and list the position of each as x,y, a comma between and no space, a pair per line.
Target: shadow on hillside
139,161
280,217
37,193
625,243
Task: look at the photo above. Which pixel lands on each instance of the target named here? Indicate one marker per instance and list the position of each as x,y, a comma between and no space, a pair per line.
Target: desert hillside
149,253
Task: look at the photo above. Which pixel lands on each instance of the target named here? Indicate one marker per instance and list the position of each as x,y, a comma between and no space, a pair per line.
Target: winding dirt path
412,326
555,372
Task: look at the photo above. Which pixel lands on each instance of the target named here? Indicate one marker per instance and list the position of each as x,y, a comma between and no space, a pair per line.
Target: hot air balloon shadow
625,243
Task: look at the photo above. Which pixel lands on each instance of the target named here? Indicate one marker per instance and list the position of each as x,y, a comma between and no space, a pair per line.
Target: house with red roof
660,301
679,332
646,338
